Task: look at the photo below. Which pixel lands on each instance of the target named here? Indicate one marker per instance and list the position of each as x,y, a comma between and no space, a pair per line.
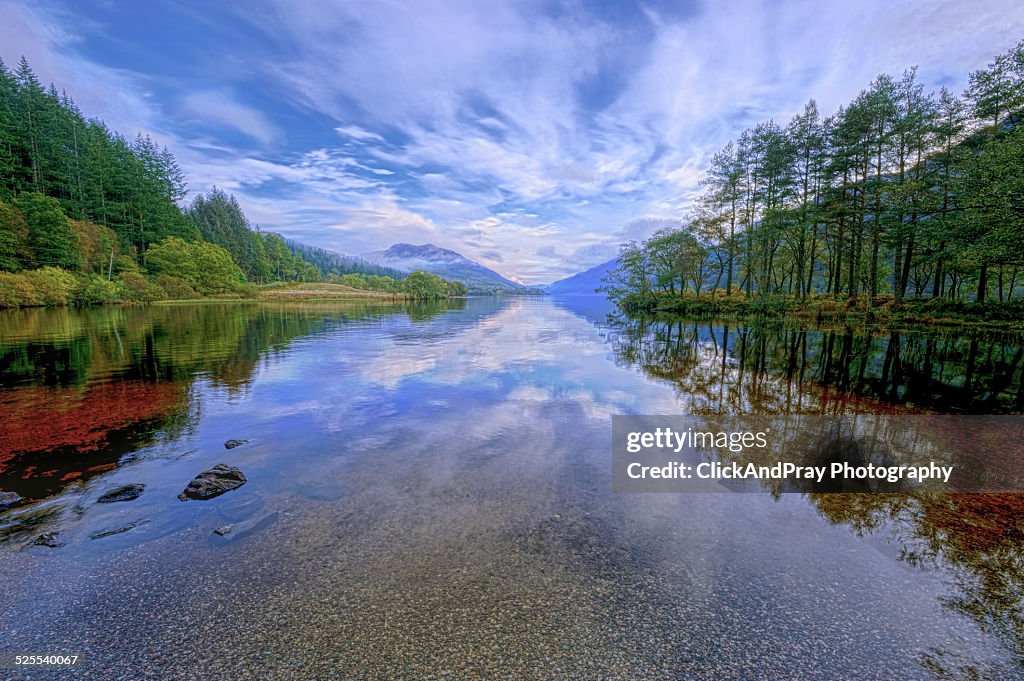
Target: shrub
96,290
53,285
248,291
16,291
139,288
206,267
176,288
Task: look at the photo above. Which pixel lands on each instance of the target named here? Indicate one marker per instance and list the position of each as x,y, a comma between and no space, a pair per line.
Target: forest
88,216
902,199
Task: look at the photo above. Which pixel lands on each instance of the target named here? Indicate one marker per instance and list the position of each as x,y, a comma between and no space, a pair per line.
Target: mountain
332,262
444,263
583,283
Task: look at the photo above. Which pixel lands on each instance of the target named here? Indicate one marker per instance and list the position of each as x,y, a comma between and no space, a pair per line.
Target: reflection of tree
82,388
977,538
773,369
53,436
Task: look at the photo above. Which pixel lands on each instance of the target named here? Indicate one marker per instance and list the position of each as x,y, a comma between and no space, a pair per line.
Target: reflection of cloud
390,370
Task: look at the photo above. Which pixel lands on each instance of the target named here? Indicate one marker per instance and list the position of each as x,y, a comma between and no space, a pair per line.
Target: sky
532,136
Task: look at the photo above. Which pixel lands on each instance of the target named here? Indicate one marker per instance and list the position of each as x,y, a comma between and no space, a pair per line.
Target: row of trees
261,257
330,262
100,216
899,193
48,147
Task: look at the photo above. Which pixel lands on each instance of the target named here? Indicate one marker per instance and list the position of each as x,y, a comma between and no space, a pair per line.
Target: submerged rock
122,493
239,507
213,482
239,531
231,444
49,539
117,530
8,499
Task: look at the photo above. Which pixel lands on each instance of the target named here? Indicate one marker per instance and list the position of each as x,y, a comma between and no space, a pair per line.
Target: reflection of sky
467,430
522,351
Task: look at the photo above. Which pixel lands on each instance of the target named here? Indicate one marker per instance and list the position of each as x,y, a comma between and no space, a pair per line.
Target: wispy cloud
529,135
220,108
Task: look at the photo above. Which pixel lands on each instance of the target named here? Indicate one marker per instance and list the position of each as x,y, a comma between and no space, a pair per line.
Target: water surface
429,496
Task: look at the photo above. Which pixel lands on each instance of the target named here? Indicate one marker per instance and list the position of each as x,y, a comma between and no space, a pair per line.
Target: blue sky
531,136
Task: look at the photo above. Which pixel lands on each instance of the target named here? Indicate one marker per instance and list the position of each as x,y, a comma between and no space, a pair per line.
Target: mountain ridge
582,283
443,262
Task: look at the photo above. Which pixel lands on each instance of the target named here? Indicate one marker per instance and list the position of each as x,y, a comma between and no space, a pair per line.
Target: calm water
429,496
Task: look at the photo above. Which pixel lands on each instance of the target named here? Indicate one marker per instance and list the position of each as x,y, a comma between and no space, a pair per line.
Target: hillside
584,283
445,263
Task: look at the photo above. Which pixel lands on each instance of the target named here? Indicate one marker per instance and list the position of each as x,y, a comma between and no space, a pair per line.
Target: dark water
429,496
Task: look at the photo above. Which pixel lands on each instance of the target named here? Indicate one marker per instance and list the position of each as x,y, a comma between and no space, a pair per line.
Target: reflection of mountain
595,309
444,263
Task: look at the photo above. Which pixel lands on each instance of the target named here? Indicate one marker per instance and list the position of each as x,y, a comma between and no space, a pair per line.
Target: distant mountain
584,283
332,262
444,263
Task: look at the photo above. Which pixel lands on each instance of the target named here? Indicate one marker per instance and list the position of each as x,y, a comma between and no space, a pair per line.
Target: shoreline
939,313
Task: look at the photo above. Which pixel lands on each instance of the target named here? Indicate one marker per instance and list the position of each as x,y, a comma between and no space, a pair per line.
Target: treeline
418,284
899,194
87,217
329,262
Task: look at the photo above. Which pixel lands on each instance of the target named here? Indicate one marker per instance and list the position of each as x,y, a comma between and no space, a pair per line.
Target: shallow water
429,496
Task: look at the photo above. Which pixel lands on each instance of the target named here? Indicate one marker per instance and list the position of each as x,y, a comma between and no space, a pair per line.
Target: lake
429,496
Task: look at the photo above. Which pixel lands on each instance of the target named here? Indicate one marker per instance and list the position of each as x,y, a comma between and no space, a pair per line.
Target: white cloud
220,107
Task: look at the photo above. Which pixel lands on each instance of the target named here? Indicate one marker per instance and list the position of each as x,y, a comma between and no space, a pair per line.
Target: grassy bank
880,310
55,287
323,291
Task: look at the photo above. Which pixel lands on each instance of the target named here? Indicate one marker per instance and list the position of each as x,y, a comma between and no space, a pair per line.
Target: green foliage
140,289
96,245
330,263
421,285
205,267
53,285
48,147
17,291
220,221
13,238
93,289
50,237
176,288
76,195
900,194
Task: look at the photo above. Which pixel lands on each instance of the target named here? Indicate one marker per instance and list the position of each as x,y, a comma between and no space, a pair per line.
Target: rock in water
213,482
49,539
122,493
8,499
231,444
117,530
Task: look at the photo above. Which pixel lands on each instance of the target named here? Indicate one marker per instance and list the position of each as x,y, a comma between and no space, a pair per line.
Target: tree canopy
900,193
